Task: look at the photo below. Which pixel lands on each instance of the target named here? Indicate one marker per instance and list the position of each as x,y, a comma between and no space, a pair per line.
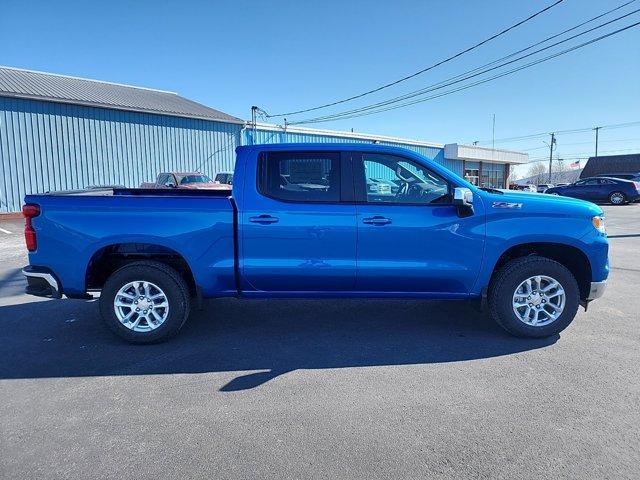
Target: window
393,179
225,178
198,178
472,175
162,178
606,181
166,180
592,181
492,175
300,176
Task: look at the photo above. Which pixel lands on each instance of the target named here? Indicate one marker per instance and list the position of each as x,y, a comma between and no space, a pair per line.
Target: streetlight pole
597,129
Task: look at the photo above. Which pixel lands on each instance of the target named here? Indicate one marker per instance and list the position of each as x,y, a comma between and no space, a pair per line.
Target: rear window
187,179
300,176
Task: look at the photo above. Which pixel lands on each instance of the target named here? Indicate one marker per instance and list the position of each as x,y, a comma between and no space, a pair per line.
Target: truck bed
77,228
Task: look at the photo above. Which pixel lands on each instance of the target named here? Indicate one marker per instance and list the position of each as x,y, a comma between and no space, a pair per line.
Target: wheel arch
109,258
572,257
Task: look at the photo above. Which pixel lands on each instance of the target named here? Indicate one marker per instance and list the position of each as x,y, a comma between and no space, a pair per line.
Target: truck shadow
12,283
65,338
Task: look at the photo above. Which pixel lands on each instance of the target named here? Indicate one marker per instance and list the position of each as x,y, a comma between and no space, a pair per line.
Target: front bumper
41,282
597,290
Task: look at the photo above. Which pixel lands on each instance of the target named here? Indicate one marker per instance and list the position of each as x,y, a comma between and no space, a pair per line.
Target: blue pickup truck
310,220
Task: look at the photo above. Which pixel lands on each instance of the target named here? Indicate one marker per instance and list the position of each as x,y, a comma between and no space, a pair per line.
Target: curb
10,216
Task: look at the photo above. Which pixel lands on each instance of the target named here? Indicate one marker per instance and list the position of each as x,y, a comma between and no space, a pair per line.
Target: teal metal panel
47,146
257,136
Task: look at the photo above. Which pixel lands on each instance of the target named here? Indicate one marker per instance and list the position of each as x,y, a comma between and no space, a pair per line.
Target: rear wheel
618,198
145,302
533,297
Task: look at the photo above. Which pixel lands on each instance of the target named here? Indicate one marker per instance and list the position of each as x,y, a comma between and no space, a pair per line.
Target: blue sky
289,54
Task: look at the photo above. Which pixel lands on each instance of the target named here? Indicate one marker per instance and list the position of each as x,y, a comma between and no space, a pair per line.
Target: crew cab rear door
297,224
412,239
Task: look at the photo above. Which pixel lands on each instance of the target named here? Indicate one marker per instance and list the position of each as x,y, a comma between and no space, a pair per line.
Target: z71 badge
506,205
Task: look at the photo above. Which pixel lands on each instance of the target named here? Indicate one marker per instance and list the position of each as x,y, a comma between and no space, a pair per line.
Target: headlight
598,224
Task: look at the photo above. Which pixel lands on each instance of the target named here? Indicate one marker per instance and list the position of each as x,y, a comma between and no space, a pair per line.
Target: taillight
30,211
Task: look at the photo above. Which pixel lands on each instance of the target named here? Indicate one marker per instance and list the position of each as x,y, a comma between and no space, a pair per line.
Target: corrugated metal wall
53,146
46,146
259,136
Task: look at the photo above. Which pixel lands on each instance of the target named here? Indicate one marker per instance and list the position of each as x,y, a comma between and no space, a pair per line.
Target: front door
410,237
298,227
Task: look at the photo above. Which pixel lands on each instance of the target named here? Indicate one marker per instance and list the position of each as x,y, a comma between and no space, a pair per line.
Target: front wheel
145,302
533,297
617,198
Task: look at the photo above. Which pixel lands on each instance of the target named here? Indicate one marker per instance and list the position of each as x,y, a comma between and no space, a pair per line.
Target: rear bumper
41,282
597,290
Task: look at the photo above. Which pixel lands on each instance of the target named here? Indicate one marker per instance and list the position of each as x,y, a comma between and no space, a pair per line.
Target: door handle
263,219
377,220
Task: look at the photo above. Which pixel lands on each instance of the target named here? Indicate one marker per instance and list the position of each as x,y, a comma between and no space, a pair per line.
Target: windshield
194,179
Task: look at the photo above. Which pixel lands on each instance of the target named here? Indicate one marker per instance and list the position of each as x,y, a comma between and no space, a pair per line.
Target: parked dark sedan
601,189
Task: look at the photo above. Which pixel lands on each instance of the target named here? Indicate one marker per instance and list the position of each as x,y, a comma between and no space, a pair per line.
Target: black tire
617,198
508,278
165,277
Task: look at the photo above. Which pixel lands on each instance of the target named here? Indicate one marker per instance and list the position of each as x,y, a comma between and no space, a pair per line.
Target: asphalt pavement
322,388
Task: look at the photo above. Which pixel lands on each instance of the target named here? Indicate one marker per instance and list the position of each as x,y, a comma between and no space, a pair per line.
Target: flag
574,165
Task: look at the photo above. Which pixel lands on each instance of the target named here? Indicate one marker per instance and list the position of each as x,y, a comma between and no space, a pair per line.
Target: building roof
33,85
568,176
612,164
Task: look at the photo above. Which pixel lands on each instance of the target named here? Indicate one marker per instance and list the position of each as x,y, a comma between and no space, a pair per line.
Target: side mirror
463,200
462,196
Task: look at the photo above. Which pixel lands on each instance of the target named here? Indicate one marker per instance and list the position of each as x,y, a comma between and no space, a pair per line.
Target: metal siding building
612,164
54,146
271,134
60,133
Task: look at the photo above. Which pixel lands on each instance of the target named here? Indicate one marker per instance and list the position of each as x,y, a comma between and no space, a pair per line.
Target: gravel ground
322,389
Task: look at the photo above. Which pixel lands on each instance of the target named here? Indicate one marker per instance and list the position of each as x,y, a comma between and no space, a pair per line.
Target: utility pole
493,133
596,129
553,142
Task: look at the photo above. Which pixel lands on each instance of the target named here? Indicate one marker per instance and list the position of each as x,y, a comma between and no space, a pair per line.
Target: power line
575,130
621,140
580,155
476,71
465,87
426,69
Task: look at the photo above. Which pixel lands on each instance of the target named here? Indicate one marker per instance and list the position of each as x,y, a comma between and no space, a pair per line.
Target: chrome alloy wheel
141,306
539,301
617,198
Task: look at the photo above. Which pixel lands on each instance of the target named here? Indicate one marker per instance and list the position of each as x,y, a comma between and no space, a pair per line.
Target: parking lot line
5,231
